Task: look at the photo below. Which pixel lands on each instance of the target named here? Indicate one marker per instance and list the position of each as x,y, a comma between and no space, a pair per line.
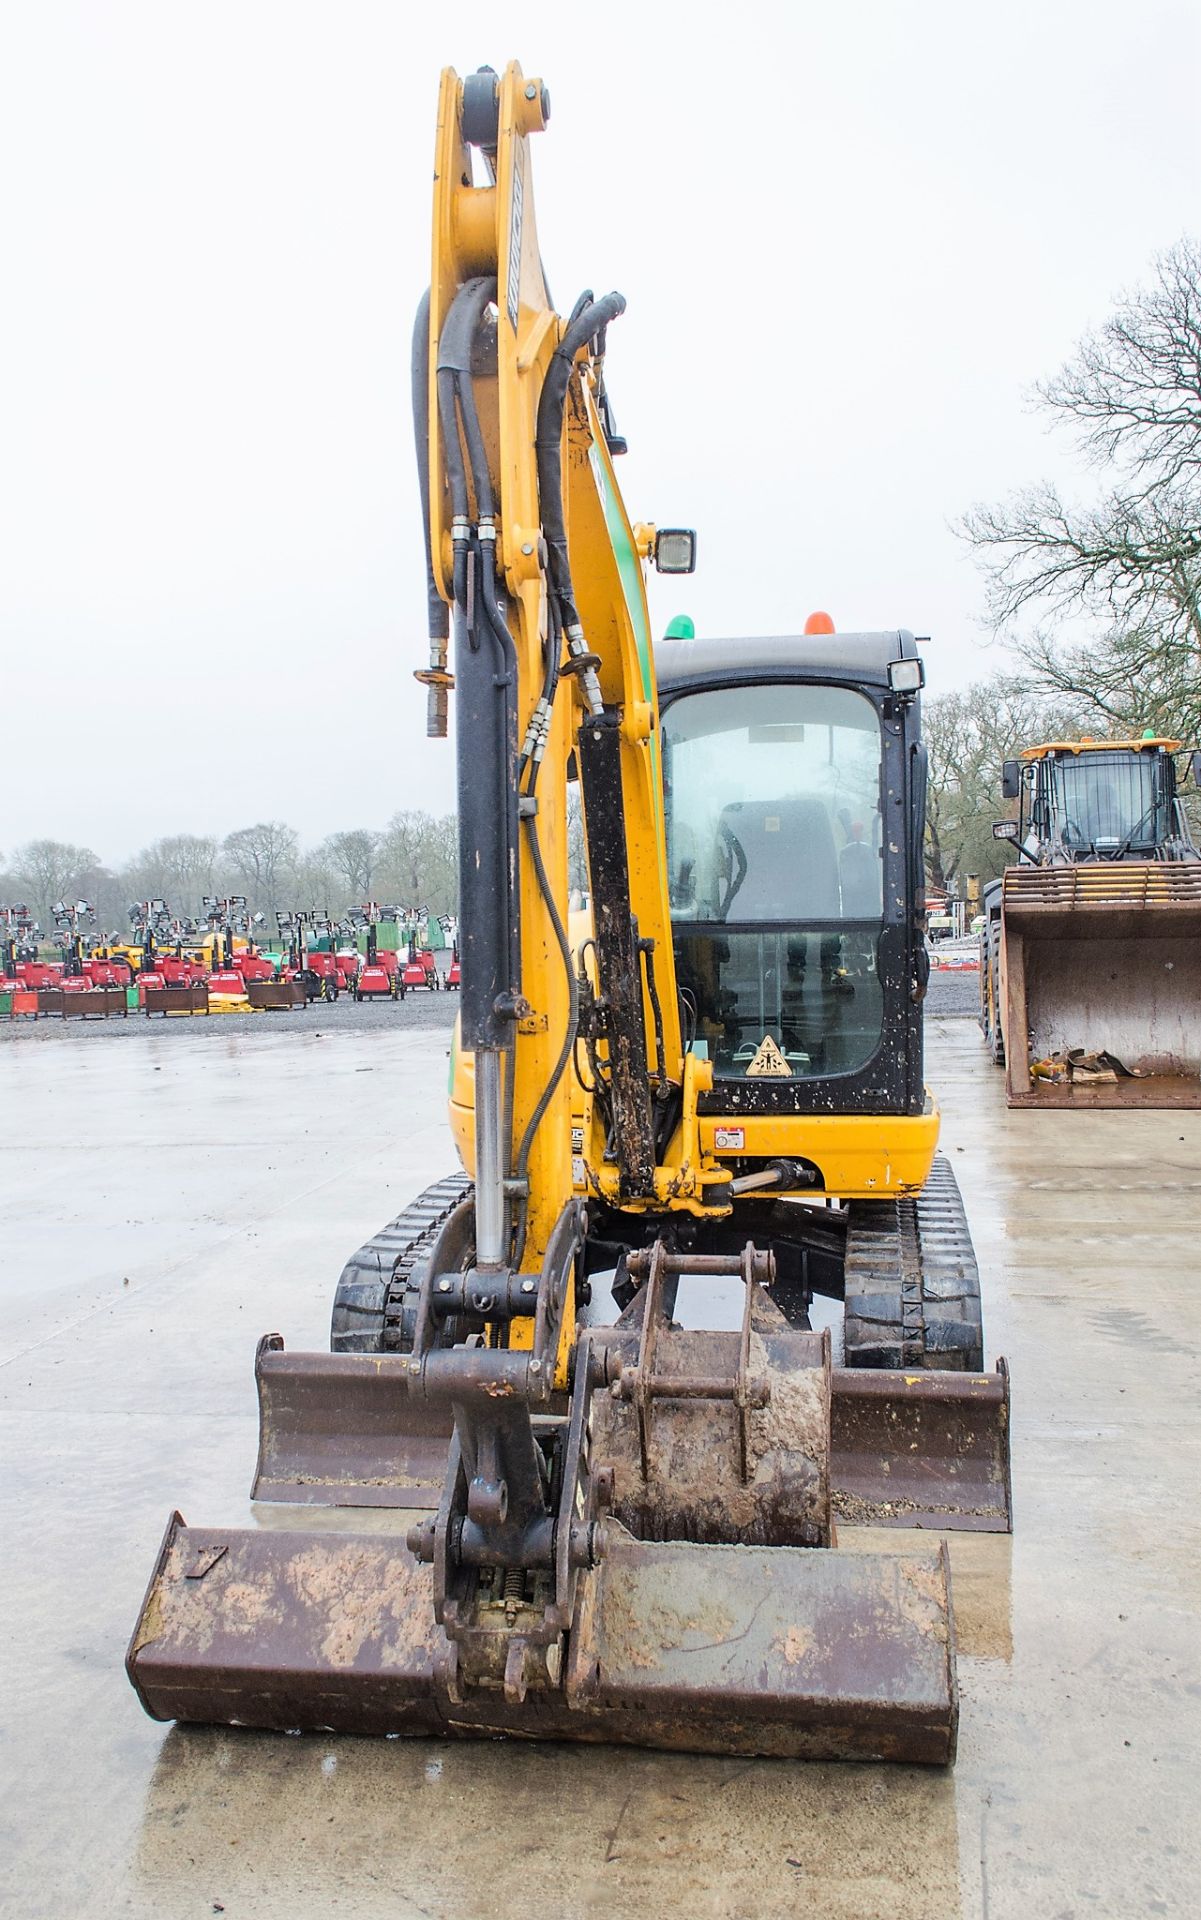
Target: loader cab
1099,801
794,800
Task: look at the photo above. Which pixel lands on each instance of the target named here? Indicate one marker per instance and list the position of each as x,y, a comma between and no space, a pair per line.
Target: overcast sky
850,236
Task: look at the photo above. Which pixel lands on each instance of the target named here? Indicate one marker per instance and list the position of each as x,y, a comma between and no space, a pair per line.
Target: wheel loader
702,1293
1090,959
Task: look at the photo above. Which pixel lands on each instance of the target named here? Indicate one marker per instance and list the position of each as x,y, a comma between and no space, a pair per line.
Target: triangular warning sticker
769,1063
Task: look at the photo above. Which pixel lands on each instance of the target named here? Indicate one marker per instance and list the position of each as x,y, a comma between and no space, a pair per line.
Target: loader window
1103,801
774,839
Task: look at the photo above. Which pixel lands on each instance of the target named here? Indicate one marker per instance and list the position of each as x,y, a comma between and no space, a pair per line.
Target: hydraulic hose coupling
537,733
437,696
585,667
534,745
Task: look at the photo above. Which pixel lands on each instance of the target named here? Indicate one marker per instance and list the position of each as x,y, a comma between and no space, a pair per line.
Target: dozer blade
1103,959
791,1652
923,1449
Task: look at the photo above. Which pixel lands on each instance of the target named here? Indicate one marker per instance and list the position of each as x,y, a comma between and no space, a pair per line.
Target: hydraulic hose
521,1163
548,442
459,350
454,377
481,478
456,472
438,617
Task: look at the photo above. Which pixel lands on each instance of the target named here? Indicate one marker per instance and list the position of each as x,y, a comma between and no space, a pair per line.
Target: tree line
413,861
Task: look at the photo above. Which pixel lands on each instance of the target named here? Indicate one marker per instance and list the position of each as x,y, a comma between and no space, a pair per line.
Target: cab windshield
1104,801
775,857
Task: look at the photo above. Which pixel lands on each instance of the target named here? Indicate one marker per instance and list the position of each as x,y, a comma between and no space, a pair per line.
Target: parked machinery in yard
333,971
379,974
1090,960
74,929
623,1527
418,965
225,916
149,922
18,946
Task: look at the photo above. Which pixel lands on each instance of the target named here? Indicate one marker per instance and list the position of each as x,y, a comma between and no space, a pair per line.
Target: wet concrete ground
162,1204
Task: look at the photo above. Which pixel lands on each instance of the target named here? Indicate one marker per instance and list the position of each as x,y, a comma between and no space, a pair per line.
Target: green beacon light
683,627
1149,733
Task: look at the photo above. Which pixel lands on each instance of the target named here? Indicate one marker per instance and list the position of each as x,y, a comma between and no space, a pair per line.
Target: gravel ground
342,1016
954,995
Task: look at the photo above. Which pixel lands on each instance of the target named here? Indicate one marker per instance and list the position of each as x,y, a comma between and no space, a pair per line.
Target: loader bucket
1101,984
796,1653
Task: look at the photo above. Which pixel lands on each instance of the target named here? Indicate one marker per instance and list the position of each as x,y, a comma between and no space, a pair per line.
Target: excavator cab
795,905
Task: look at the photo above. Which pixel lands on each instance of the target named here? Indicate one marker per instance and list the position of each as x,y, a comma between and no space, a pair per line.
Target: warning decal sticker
769,1063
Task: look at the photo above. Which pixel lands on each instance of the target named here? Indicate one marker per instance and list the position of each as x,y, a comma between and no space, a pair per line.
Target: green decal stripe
629,568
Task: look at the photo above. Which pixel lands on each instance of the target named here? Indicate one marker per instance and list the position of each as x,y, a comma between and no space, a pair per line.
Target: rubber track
912,1283
379,1281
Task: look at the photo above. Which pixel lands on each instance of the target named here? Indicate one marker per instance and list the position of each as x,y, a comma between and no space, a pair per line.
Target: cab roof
1152,745
858,658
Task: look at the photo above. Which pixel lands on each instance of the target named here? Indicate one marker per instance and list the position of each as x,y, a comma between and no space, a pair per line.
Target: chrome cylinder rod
491,1249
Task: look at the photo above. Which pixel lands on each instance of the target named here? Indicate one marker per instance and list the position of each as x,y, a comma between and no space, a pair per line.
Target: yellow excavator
596,1369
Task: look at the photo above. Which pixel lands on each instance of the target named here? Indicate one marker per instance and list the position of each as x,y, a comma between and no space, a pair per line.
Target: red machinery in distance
149,920
18,947
180,968
226,982
74,937
234,967
379,974
420,968
324,972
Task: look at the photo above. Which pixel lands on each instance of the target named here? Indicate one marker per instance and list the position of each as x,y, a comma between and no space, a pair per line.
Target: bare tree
1129,562
50,870
179,868
352,857
418,861
262,856
968,734
315,883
